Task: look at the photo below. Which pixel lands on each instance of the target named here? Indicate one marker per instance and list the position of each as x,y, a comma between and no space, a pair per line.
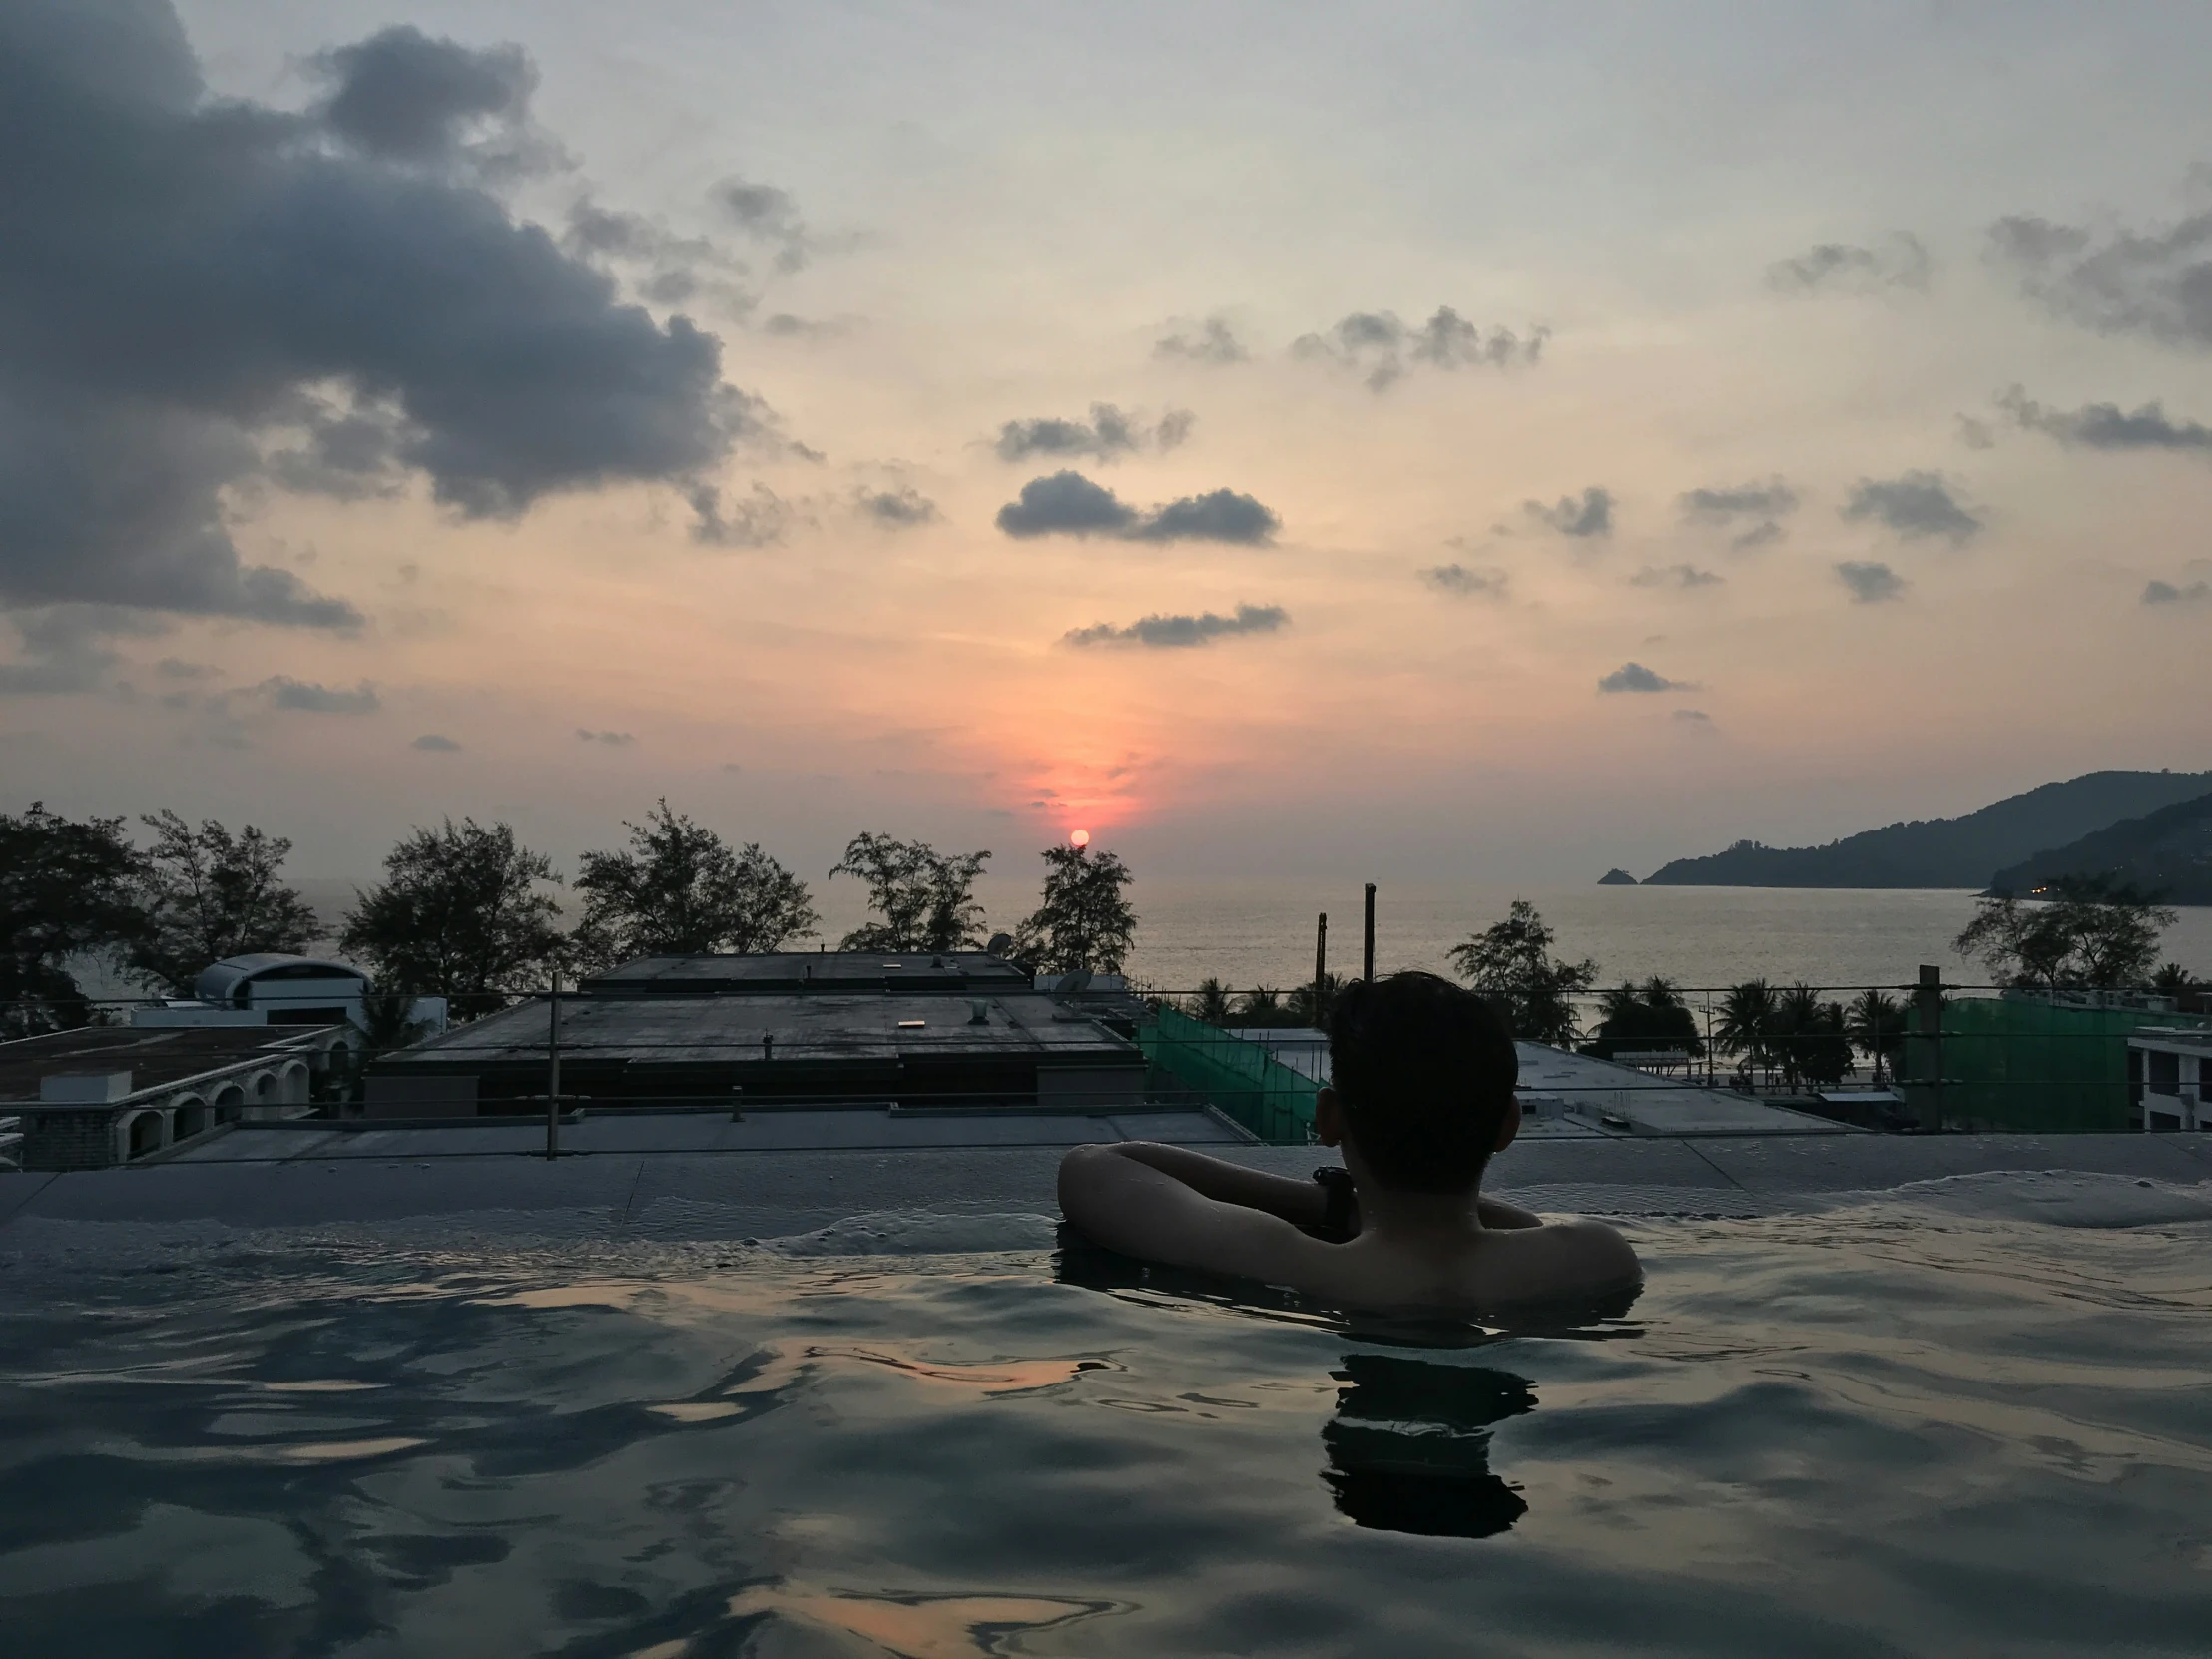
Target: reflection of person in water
1409,1446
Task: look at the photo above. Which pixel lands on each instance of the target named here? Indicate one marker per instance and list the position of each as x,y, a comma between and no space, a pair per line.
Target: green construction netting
2012,1063
1241,1078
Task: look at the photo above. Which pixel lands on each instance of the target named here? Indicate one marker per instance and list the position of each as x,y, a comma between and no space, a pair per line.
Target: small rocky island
1616,878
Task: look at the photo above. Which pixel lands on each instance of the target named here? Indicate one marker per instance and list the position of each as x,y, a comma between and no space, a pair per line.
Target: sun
1079,838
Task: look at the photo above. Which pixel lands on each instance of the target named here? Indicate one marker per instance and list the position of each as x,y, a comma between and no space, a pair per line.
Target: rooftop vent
84,1088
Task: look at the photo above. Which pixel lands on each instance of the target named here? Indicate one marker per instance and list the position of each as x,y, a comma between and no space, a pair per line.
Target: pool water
1889,1428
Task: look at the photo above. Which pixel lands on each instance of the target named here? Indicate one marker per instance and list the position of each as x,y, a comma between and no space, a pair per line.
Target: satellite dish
1074,984
1000,944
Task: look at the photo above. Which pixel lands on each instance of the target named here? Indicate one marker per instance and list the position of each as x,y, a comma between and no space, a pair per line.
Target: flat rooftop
802,973
153,1057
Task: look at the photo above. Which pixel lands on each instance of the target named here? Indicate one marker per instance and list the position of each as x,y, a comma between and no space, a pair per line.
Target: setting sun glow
1079,837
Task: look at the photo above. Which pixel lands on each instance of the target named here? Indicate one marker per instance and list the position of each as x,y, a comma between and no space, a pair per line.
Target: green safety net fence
2013,1063
1241,1078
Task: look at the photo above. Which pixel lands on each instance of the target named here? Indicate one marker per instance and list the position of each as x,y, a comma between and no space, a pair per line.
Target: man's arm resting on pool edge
1168,1204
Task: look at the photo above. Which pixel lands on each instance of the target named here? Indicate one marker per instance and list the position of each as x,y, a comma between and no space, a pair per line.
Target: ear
1329,1118
1510,1127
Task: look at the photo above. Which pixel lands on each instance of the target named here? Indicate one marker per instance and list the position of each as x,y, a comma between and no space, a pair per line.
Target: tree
67,889
1304,1008
1210,1005
1260,1006
1876,1022
1809,1038
1084,922
459,915
2091,933
925,896
1512,962
2173,980
210,894
680,891
1746,1023
1646,1019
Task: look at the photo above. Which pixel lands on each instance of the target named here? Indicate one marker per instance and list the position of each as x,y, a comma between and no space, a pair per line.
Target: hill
2167,853
1946,851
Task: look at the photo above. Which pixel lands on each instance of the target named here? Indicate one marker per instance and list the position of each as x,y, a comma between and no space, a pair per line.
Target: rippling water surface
1881,1430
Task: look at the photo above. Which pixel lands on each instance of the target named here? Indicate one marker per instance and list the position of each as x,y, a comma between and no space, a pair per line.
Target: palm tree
1746,1023
1876,1023
1210,1005
1261,1006
2173,980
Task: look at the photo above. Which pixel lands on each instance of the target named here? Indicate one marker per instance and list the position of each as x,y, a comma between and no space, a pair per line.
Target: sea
1260,931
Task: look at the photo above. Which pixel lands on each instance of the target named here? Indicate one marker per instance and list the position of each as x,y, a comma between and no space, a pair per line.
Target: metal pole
1321,962
1366,954
553,1068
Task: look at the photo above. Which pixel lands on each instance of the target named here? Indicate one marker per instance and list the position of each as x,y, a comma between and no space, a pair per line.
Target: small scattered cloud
1751,513
1870,582
1109,434
436,743
1069,504
306,697
173,668
1476,582
1182,630
1901,260
1384,348
611,739
1588,515
1684,577
731,767
1977,434
1212,341
2167,593
760,519
768,215
2106,426
2156,282
1634,677
1694,717
1914,506
901,507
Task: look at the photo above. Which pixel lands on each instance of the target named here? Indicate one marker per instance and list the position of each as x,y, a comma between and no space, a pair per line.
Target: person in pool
1422,1072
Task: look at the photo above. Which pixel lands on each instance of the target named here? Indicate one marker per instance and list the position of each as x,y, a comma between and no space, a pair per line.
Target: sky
1407,441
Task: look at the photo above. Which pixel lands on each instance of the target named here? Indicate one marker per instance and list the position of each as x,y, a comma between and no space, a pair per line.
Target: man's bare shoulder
1563,1257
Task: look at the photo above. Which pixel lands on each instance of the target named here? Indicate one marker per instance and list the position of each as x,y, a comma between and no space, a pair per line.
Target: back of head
1424,1071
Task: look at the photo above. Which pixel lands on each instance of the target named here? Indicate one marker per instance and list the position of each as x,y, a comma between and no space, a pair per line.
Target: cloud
1634,677
612,740
1212,341
2157,283
1486,583
1684,577
2165,593
757,521
768,215
1384,347
1168,631
2104,426
1107,435
172,668
306,697
1069,504
901,507
1694,717
1914,506
64,649
188,280
1870,583
1901,261
1590,514
435,743
1751,512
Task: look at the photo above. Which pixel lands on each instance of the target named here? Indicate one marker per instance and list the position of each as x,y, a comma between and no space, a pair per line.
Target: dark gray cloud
1587,515
63,649
1069,504
1486,582
2157,283
612,740
308,697
436,743
1634,677
2166,592
1382,347
1751,513
1900,261
184,280
1211,341
403,96
2106,426
1683,576
900,507
1914,506
1168,631
349,454
1870,582
1107,435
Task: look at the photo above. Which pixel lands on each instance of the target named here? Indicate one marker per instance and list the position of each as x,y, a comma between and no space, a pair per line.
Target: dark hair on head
1425,1071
